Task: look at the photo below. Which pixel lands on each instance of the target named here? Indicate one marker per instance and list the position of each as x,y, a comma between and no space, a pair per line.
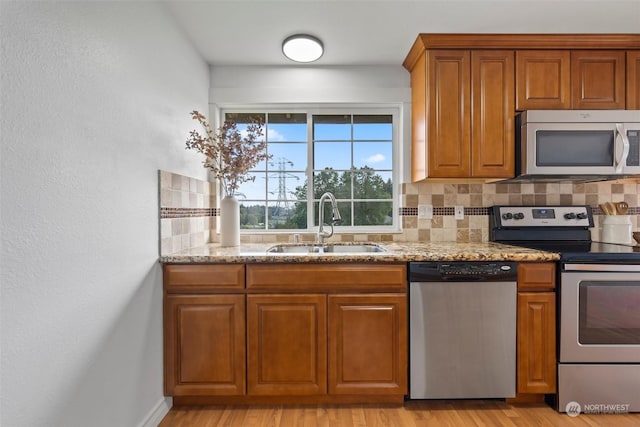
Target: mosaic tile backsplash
188,213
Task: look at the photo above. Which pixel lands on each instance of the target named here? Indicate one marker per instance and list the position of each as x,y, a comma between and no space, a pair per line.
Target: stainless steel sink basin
326,248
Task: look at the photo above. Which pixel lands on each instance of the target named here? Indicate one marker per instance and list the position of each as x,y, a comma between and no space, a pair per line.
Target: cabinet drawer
203,277
327,277
537,276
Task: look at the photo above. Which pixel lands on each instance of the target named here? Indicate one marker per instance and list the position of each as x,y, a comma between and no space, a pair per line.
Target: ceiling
374,32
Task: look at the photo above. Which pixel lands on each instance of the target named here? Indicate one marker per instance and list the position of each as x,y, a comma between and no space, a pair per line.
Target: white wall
95,99
308,84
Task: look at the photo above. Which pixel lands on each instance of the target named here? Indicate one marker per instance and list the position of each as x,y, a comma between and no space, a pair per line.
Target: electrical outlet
425,211
459,212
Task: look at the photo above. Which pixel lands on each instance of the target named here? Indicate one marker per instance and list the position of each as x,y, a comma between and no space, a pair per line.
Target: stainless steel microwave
577,144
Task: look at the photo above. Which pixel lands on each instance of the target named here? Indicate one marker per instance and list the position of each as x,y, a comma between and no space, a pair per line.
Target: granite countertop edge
395,252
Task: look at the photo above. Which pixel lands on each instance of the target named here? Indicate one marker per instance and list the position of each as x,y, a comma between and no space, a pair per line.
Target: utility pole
282,201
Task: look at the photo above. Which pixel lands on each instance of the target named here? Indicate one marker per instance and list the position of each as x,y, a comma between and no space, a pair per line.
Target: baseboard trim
158,412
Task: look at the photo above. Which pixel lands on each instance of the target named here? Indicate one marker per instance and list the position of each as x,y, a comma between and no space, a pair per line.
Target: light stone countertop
396,252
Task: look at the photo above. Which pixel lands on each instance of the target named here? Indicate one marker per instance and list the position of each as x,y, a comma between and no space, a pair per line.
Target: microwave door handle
620,132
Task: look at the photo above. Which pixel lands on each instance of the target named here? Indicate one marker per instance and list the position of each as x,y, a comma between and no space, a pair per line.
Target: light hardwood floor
485,413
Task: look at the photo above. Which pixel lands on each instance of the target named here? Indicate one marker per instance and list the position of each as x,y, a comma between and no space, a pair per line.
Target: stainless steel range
599,305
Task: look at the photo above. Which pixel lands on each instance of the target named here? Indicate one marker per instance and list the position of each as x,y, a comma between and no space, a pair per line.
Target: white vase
229,221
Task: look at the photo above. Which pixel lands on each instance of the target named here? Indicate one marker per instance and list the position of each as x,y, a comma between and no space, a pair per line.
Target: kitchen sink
326,248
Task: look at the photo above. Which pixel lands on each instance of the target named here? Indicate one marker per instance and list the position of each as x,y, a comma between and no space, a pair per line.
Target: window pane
281,215
291,118
372,118
343,207
283,187
376,127
345,214
373,213
369,184
376,155
287,131
331,127
253,190
298,219
336,155
336,182
288,156
252,215
244,117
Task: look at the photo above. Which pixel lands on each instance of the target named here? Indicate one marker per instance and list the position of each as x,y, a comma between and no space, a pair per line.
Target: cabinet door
368,344
598,79
204,345
633,80
543,79
448,113
536,342
287,349
492,120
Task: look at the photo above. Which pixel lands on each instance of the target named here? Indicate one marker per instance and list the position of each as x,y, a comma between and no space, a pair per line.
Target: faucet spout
335,217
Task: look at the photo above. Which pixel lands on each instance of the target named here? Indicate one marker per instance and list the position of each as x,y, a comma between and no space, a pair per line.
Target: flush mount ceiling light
302,48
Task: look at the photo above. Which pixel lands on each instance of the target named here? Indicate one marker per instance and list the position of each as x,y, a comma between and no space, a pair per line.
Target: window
348,153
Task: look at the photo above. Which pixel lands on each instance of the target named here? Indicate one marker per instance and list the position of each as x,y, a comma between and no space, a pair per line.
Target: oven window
574,148
609,312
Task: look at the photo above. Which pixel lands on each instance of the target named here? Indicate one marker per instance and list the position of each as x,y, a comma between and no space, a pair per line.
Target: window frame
394,110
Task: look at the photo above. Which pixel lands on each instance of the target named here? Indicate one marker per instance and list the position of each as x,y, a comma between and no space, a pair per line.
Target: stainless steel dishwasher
462,323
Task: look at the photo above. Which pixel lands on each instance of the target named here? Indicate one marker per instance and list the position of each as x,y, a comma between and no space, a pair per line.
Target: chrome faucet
335,217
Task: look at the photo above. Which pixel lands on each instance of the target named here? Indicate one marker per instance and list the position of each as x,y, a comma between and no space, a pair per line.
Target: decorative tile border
632,211
487,211
187,212
446,210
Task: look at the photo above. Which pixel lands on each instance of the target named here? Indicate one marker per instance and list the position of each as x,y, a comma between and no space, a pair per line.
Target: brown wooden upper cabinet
467,88
633,80
570,79
598,79
462,114
543,79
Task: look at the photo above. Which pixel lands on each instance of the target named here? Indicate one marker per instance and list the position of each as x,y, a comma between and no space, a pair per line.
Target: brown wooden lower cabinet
204,345
536,330
287,336
536,342
368,344
319,334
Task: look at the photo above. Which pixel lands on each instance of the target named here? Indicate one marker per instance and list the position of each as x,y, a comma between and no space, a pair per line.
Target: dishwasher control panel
462,271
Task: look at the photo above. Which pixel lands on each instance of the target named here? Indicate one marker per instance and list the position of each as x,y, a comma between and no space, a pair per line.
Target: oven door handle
602,267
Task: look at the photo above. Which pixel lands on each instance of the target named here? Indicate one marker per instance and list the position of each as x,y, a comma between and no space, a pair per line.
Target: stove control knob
507,215
570,215
582,215
518,215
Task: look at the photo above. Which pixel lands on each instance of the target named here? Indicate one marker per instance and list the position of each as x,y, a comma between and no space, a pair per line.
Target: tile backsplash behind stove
477,198
188,210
